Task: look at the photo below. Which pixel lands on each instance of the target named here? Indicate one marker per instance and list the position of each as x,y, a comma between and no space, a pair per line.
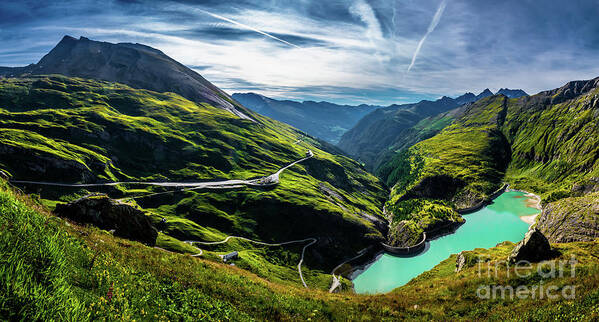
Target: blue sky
354,51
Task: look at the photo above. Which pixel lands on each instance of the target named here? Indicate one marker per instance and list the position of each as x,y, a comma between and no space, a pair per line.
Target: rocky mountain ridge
136,65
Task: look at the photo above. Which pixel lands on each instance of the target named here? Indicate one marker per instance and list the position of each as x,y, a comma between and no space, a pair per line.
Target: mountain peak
486,93
466,98
67,38
512,93
136,65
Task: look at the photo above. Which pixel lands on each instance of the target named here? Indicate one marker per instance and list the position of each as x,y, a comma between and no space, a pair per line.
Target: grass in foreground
60,271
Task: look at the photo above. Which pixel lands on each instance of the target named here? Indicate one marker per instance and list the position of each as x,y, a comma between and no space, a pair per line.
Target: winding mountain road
336,283
299,265
270,180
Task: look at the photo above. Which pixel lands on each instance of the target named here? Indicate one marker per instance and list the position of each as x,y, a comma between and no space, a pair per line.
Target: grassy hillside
55,270
555,142
386,166
72,130
399,126
456,168
546,143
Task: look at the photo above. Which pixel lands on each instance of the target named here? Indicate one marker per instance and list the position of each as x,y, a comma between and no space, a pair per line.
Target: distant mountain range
324,120
329,121
386,127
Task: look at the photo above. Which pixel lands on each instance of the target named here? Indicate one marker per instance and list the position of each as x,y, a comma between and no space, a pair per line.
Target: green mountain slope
546,143
55,270
382,132
72,130
136,65
386,127
555,142
424,129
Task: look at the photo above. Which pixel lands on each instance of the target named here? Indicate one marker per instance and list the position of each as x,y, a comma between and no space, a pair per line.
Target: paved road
270,180
336,281
299,265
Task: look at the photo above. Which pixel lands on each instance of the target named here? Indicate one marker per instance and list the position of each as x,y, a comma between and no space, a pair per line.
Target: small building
230,256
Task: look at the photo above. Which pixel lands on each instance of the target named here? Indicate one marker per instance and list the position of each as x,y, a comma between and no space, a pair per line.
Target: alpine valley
134,189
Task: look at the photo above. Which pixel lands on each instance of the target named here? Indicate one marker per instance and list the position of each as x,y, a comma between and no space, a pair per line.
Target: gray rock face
590,186
533,248
105,213
460,262
464,260
136,65
512,93
571,219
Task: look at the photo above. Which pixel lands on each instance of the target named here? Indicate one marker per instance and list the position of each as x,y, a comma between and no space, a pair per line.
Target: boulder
533,248
109,214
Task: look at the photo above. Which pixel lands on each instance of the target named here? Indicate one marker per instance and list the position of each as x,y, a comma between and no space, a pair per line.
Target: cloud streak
430,29
351,51
247,27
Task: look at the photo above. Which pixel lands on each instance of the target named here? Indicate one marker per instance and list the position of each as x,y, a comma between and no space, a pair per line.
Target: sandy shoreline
532,201
529,219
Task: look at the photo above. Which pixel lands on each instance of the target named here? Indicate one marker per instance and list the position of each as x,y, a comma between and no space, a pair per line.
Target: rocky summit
136,65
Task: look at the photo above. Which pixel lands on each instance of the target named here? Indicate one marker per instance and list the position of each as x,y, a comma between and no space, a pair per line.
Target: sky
351,52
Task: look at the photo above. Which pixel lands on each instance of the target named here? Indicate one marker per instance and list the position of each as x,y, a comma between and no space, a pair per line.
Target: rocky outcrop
571,219
533,248
105,213
435,187
404,234
589,186
464,260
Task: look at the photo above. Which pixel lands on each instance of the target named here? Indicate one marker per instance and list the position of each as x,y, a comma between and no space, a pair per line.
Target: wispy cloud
430,29
351,51
248,27
364,11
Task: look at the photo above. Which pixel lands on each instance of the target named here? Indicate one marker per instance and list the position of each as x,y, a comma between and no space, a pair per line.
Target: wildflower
109,295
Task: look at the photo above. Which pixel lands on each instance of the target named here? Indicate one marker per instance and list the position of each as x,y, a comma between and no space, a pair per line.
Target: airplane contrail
430,29
248,27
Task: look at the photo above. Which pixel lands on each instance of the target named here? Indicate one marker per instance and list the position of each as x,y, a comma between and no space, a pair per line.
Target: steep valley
545,143
91,124
71,130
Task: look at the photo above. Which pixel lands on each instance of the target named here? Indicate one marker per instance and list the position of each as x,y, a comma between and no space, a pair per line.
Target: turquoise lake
495,223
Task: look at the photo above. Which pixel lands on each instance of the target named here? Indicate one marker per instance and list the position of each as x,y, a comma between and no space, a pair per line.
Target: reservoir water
495,223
